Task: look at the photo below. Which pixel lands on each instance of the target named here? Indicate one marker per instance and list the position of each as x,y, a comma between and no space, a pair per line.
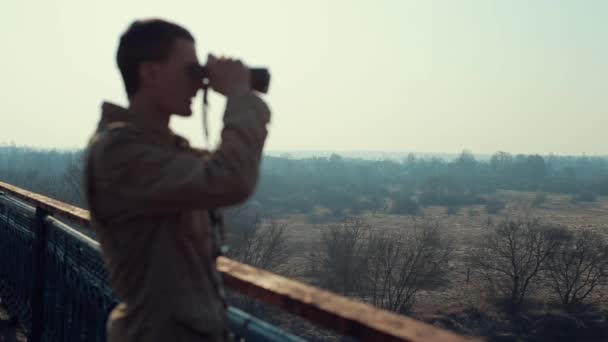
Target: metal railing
53,281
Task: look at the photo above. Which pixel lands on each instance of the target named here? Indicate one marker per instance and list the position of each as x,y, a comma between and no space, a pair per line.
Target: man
151,195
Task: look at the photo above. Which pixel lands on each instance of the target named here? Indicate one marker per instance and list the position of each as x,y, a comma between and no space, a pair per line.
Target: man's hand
228,77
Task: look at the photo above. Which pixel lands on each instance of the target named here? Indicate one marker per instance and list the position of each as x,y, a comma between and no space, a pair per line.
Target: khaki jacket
149,194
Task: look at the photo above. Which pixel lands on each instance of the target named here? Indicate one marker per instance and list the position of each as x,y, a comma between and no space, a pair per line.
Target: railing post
2,206
37,294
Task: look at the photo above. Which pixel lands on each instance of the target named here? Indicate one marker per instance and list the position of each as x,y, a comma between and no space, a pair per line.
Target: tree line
350,186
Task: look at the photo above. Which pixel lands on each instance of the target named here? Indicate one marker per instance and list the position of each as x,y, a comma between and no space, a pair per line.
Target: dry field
465,228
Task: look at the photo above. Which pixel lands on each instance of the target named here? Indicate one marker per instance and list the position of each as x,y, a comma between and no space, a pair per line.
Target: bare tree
254,243
73,190
339,263
259,244
578,266
403,262
268,249
511,257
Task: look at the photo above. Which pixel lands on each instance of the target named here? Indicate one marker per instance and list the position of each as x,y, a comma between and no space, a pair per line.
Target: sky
520,76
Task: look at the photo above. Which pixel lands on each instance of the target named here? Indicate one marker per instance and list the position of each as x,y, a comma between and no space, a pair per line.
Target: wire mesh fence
53,281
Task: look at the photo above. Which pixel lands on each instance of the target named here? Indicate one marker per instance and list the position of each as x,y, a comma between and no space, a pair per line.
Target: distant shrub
494,206
539,199
453,210
473,212
584,196
446,191
601,185
406,205
450,198
338,214
360,206
319,218
301,204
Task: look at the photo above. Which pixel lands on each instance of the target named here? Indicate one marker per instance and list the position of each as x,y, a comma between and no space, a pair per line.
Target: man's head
154,58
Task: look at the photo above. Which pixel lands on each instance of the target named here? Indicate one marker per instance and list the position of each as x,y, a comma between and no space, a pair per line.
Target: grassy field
465,228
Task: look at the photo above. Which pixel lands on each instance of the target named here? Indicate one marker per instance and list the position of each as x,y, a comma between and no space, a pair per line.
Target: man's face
172,85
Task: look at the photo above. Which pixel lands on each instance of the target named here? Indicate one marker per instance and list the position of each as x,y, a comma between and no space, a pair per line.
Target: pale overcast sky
436,76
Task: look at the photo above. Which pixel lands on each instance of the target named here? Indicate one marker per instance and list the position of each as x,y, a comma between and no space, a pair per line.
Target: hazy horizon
361,154
376,76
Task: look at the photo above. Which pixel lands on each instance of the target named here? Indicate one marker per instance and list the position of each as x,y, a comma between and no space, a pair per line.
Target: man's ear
148,71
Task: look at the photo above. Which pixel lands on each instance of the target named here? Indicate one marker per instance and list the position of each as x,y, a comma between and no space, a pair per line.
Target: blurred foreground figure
154,199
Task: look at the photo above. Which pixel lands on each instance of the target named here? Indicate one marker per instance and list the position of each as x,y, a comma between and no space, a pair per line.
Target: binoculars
260,77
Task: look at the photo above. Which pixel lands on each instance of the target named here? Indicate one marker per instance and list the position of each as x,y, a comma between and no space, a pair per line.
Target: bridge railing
52,279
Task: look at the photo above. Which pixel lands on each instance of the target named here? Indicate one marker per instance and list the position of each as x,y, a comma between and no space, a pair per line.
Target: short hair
146,40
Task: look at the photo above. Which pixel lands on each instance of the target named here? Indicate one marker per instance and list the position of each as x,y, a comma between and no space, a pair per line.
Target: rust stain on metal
339,313
55,207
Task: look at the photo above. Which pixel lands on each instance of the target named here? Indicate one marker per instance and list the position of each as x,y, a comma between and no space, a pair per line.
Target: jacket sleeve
135,177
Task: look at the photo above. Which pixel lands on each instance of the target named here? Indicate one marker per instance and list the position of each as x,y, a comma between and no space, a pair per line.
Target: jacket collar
112,113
